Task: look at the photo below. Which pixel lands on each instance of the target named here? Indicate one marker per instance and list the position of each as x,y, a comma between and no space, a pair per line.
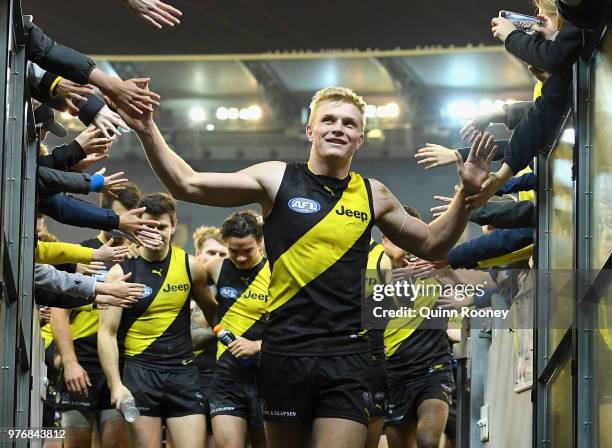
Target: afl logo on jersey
228,293
147,292
303,205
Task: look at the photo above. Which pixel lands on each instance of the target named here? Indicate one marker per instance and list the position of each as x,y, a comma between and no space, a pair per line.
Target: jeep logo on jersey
363,216
176,288
303,205
253,295
148,291
228,292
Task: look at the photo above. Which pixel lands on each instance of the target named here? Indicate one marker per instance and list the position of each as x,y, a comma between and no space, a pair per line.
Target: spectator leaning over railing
81,69
544,118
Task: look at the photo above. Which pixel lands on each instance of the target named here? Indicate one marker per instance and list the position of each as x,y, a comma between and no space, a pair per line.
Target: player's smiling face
244,252
165,227
336,129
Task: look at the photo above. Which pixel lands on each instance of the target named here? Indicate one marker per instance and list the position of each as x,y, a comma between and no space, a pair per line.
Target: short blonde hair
341,94
548,7
204,233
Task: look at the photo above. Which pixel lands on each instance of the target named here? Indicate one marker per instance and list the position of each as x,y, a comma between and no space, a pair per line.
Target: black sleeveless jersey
242,295
156,329
415,346
374,276
317,239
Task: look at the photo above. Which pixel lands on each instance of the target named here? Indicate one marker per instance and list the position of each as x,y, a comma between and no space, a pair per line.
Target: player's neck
150,255
328,167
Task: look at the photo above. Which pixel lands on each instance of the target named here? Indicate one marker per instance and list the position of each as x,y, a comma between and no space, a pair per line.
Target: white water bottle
129,410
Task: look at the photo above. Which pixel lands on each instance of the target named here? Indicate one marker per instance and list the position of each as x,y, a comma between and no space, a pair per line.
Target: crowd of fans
71,283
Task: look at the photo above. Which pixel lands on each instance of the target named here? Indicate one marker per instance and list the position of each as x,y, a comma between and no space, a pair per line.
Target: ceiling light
210,127
244,114
485,106
390,110
370,111
375,134
197,115
255,112
462,109
233,113
222,113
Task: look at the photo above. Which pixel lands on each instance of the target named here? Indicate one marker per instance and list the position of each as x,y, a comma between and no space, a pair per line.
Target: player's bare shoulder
383,199
268,174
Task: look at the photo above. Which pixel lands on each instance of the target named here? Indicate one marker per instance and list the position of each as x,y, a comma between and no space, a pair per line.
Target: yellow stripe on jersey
164,308
246,310
46,334
85,324
401,328
372,277
322,246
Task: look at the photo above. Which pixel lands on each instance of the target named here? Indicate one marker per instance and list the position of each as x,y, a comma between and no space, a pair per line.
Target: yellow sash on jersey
401,328
371,275
46,334
164,308
321,247
85,324
246,311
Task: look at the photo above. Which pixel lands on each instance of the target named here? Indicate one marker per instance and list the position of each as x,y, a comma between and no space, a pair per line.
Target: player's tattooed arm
200,280
201,333
428,241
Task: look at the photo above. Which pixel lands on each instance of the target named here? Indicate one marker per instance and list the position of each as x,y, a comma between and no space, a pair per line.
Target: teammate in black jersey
379,390
159,371
208,246
241,282
318,217
418,366
85,394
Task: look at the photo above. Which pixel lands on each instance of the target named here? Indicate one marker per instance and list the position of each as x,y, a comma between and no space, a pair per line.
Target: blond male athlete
314,362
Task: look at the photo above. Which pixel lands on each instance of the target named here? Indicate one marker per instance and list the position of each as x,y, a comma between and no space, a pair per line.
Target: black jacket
587,14
534,132
63,157
52,181
87,109
505,215
75,212
55,57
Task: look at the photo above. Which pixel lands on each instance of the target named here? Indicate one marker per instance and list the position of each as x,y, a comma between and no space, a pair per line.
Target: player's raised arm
255,184
433,241
427,241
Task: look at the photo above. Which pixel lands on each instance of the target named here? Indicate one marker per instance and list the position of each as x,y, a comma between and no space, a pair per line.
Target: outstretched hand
432,156
155,12
132,96
136,122
71,92
475,170
490,186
